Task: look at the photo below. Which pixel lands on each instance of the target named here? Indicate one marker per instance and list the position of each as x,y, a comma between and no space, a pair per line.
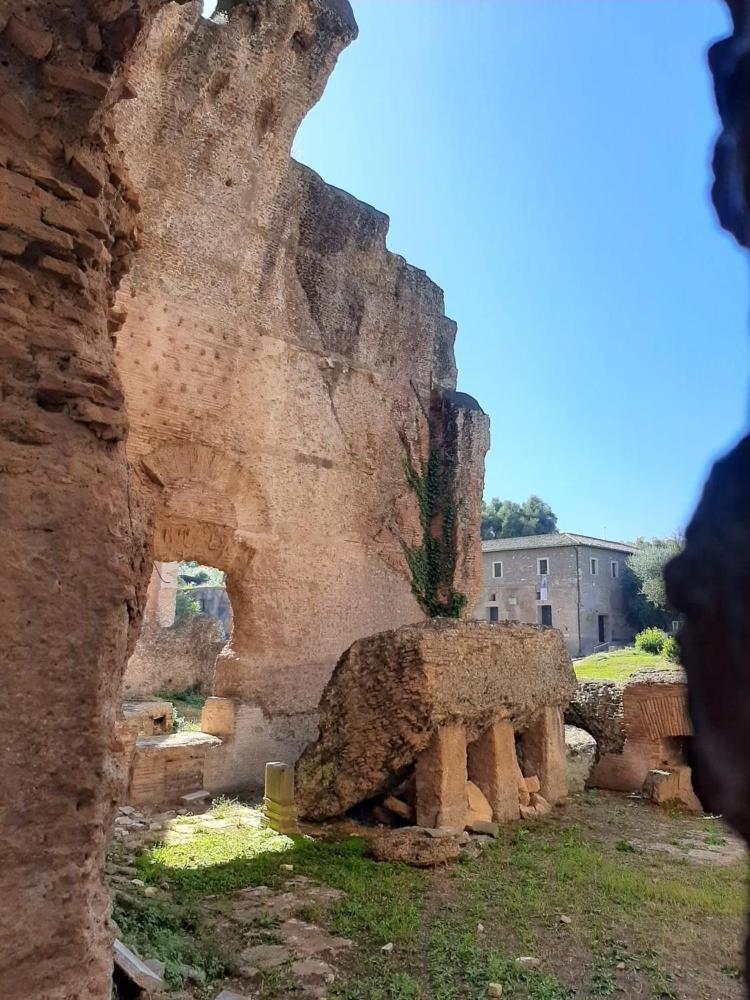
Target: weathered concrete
391,692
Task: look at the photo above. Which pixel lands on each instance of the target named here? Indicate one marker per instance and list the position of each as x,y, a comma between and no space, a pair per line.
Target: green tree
508,519
646,602
185,604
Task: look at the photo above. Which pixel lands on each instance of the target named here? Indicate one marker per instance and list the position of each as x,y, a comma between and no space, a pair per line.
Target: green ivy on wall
432,564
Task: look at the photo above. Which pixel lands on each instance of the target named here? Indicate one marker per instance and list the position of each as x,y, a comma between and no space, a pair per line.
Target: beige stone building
572,582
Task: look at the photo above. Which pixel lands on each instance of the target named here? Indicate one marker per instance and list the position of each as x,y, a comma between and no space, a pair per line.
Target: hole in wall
187,621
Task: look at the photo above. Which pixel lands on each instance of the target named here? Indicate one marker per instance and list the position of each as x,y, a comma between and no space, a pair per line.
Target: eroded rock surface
280,367
390,693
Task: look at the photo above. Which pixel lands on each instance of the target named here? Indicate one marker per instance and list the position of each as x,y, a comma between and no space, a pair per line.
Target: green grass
619,665
619,903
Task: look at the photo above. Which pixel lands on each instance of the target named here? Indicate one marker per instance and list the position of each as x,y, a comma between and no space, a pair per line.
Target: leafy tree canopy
192,574
508,519
645,592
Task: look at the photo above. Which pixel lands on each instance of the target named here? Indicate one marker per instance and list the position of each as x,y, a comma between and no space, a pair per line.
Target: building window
542,566
594,566
494,615
497,570
615,569
493,597
546,614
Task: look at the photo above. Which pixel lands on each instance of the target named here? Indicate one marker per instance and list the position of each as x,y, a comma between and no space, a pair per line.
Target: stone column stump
494,767
441,780
543,746
279,810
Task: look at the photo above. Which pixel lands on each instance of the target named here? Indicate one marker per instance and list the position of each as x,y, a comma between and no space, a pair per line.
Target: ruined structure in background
290,387
418,712
281,369
172,653
641,727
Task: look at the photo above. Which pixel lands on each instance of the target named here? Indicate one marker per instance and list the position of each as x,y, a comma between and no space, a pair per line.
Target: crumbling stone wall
177,658
278,377
73,538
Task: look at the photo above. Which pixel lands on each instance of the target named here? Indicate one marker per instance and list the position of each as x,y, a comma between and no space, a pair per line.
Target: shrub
671,649
185,605
651,640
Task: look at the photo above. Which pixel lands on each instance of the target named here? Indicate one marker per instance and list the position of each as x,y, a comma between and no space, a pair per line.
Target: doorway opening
187,622
603,628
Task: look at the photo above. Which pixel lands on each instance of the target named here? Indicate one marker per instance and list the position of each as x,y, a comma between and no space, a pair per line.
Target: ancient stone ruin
170,278
423,722
280,368
209,353
642,731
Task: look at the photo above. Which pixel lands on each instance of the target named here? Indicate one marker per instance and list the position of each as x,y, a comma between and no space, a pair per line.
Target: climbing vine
432,564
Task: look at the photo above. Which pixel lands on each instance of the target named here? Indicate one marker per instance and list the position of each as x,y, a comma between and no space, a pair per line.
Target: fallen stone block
527,962
135,969
479,810
671,785
391,693
416,846
542,806
532,784
401,809
489,829
195,798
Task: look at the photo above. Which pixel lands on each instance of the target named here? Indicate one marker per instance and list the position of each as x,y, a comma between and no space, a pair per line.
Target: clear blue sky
547,163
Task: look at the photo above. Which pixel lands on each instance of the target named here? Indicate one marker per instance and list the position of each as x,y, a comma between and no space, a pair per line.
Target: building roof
559,539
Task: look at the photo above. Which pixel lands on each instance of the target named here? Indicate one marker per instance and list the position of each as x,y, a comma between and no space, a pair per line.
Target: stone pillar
494,767
73,538
162,594
543,746
441,780
278,803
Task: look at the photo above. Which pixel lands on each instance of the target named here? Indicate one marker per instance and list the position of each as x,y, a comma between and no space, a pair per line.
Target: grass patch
172,933
454,930
618,665
381,903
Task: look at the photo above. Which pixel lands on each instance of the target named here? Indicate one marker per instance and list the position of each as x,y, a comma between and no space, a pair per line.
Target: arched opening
186,623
